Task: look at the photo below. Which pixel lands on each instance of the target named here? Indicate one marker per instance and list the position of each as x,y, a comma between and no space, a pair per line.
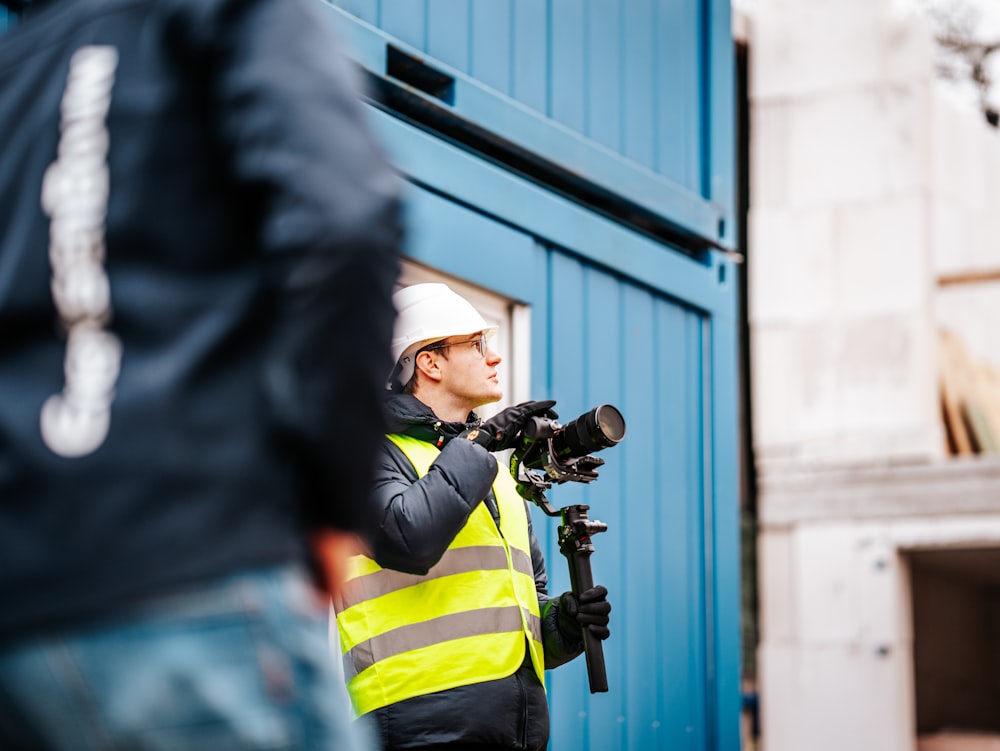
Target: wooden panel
970,400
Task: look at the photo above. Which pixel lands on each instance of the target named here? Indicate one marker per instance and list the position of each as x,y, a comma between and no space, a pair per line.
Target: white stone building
874,224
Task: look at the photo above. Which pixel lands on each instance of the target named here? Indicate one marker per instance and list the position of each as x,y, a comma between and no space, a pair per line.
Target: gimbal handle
574,543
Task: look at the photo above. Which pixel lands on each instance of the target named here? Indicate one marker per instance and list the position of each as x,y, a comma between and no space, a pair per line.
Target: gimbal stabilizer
552,453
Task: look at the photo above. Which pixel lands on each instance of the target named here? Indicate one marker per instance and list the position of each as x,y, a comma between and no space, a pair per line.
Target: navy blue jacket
198,242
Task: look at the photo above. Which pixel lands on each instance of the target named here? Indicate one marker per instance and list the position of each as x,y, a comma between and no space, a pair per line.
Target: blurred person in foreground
447,628
198,243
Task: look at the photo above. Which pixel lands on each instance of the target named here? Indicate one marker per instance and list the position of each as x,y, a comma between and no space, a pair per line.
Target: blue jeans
240,663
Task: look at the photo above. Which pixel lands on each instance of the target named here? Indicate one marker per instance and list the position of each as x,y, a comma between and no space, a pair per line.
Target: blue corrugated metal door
601,337
575,200
645,353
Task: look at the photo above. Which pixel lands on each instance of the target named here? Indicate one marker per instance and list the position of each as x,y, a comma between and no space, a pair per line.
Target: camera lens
592,431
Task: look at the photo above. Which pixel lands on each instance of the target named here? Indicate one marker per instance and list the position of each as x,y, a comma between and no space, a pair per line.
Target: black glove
478,435
591,610
504,427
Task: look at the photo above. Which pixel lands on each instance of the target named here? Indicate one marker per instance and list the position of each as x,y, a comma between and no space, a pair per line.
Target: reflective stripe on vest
445,628
454,561
466,621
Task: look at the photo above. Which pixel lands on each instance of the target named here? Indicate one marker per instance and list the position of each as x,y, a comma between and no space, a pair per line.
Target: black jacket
248,236
418,519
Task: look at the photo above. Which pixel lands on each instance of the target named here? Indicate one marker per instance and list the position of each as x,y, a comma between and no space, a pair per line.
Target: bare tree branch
963,56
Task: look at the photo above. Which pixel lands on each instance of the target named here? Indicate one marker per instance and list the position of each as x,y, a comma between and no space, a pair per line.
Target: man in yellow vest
447,628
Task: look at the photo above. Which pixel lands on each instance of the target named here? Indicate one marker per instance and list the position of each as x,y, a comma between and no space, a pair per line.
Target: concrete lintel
789,495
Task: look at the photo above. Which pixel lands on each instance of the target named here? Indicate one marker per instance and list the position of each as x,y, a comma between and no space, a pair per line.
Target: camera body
549,452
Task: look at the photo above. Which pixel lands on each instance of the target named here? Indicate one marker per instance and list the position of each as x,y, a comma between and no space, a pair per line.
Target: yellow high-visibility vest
466,621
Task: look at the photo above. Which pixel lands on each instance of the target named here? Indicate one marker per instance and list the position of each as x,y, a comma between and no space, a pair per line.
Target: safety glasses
479,343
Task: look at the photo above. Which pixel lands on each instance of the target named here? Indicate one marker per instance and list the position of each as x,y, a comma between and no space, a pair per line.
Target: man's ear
427,364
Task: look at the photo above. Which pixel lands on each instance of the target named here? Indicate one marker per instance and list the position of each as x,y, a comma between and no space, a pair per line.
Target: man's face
470,370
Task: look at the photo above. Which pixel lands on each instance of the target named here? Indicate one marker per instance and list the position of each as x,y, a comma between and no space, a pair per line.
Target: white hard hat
428,313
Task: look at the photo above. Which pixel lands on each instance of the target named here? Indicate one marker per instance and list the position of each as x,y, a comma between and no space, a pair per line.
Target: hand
590,610
504,427
331,549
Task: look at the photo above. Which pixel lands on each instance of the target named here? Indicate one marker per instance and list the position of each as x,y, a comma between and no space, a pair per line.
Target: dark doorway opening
956,635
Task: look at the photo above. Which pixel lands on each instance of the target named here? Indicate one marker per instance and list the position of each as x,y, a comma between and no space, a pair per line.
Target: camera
552,453
600,428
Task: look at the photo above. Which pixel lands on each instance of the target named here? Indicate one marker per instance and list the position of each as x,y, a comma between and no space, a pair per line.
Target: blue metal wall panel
638,81
639,77
405,20
680,474
724,557
644,353
447,236
567,64
529,54
604,109
719,172
366,10
679,145
449,171
579,160
490,30
444,17
640,626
